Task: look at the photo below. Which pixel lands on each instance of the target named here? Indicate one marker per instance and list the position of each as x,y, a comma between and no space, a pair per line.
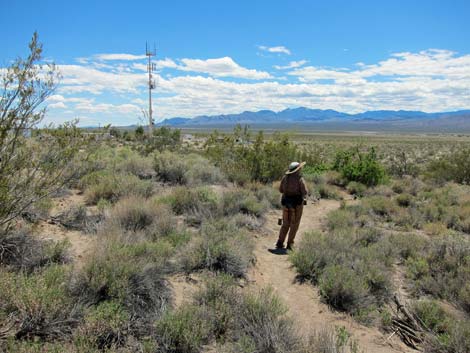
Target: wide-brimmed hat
295,167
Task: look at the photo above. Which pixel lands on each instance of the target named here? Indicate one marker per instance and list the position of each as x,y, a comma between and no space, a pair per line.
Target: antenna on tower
151,67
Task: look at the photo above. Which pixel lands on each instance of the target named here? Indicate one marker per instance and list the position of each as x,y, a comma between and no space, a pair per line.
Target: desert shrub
334,177
432,316
404,200
445,333
380,190
163,138
112,187
170,167
129,274
150,217
454,166
363,167
202,171
32,168
184,330
263,325
244,201
435,228
44,347
325,191
105,326
39,305
380,206
200,201
353,274
220,247
402,163
262,160
315,251
186,169
135,164
78,218
247,221
267,193
408,245
340,219
443,270
221,297
344,289
355,188
20,250
408,185
331,341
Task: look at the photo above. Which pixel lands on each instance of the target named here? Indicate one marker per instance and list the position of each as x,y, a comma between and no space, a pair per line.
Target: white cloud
431,80
291,65
279,49
58,105
122,56
222,67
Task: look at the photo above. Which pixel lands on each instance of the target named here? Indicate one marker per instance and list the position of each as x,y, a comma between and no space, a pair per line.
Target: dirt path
80,242
303,300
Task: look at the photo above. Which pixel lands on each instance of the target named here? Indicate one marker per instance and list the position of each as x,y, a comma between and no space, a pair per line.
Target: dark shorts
292,201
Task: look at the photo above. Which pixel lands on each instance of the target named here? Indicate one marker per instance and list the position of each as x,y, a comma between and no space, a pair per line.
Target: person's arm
282,186
303,188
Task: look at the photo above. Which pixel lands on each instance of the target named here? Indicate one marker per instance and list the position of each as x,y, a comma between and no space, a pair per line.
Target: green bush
105,326
244,201
220,247
184,330
404,200
133,214
39,306
112,187
244,159
351,269
325,191
443,270
363,167
131,275
264,326
344,289
340,219
200,201
189,169
454,166
355,188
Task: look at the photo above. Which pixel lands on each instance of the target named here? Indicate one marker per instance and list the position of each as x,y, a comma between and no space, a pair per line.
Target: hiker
294,193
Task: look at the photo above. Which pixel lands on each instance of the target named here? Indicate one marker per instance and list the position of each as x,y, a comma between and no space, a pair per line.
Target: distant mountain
317,119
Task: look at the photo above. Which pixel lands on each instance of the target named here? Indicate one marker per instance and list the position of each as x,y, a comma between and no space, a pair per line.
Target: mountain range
458,121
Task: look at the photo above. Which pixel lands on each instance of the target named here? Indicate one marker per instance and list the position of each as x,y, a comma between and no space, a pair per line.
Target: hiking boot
279,246
290,246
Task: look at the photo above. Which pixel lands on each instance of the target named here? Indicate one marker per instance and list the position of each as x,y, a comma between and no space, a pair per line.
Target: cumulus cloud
430,80
58,105
278,49
122,56
291,65
222,67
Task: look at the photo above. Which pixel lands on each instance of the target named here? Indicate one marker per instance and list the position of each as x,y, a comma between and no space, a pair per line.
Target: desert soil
303,299
271,270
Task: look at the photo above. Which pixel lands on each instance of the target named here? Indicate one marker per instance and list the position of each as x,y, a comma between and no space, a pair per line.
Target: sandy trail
303,300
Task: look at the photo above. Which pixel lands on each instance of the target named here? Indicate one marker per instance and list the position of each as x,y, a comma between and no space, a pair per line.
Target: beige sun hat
295,167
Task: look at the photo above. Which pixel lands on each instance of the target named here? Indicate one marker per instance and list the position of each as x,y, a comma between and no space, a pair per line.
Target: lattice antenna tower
151,67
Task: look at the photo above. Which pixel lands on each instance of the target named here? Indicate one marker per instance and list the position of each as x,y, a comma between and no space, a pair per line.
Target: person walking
294,193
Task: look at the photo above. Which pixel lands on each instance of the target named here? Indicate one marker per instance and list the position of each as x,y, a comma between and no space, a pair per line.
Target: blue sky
218,57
